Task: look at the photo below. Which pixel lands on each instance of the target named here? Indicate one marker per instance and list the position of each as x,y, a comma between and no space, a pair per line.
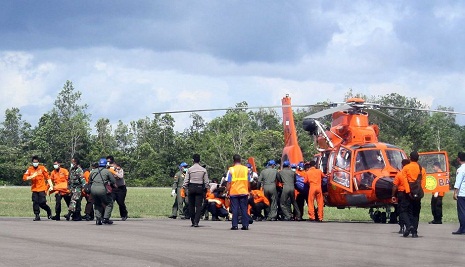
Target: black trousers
58,198
196,196
461,213
414,214
119,195
403,206
39,201
257,208
436,208
89,209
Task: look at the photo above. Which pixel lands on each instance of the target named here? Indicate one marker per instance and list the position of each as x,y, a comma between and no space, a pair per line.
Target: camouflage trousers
76,196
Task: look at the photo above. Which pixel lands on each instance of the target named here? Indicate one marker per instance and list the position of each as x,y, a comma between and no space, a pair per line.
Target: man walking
38,175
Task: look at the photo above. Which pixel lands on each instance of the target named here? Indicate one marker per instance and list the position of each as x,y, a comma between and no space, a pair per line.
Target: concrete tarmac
167,242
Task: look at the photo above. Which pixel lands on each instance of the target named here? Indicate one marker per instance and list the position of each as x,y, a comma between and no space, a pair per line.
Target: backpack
300,185
416,191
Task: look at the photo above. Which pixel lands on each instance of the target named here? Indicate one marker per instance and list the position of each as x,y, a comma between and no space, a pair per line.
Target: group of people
242,196
409,206
105,179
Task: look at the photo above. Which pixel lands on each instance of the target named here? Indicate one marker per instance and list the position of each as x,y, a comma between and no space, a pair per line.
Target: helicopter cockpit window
395,158
343,158
369,159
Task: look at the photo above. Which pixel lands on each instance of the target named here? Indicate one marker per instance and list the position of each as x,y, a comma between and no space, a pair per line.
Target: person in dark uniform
103,202
267,180
196,181
120,191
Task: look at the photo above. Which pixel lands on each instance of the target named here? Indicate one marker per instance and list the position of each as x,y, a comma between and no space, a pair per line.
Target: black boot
98,221
77,216
68,216
37,218
56,217
107,221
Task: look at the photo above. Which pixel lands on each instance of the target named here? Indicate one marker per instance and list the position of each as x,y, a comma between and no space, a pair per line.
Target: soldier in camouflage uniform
75,183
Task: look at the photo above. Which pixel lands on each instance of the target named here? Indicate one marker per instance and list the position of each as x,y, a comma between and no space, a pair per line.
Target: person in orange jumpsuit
38,175
436,200
315,176
59,177
411,172
257,203
400,191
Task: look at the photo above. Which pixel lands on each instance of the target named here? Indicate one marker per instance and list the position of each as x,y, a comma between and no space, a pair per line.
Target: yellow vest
239,180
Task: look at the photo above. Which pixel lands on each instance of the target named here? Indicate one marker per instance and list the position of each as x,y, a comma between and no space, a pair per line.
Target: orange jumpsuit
315,177
60,181
39,182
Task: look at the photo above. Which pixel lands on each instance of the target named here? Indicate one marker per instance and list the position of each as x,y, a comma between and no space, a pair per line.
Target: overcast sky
132,58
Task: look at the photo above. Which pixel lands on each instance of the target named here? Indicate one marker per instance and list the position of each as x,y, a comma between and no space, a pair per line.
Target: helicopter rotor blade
328,111
423,109
232,108
380,114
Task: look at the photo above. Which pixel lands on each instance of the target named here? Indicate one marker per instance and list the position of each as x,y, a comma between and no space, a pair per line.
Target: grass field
157,203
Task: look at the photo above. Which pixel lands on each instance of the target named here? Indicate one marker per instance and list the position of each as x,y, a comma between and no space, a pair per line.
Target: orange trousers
315,193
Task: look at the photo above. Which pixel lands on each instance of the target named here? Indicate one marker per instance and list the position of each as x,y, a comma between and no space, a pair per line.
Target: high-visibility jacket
39,182
239,180
60,180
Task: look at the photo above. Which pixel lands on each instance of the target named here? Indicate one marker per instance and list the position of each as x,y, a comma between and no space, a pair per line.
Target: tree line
149,149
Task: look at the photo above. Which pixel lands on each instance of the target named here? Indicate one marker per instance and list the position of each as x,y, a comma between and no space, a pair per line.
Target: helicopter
360,169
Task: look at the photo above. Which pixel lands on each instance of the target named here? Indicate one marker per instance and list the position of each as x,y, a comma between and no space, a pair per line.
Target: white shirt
460,181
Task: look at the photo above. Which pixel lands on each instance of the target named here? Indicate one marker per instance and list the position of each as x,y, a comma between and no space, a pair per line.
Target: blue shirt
460,181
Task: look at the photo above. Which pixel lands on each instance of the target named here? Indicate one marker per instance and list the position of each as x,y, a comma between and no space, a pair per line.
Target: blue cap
183,164
293,166
301,165
271,162
102,162
249,165
286,163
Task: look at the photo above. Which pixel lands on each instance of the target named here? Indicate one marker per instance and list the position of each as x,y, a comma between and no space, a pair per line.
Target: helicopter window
395,158
429,161
369,159
331,162
343,158
342,178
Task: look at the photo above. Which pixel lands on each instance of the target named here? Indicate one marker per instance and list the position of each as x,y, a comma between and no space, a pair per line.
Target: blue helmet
183,164
271,162
102,162
286,163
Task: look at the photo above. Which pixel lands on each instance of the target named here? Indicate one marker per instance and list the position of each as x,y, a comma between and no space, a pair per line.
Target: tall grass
157,202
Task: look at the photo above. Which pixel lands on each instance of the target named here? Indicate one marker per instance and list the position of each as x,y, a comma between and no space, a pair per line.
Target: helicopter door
340,173
436,165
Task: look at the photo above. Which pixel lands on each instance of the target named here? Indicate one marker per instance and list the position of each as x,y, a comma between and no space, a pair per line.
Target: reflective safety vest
239,180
